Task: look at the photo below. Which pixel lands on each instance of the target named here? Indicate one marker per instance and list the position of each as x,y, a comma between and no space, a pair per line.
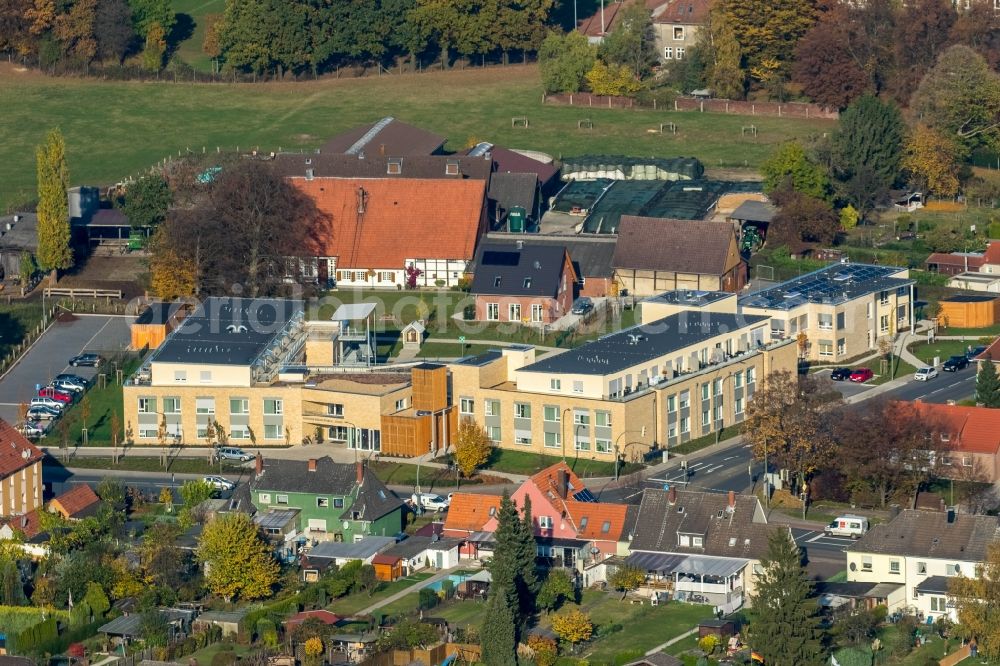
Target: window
180,375
901,313
265,498
582,444
678,33
966,461
401,404
273,406
553,440
680,53
705,423
668,53
338,502
717,413
738,379
555,384
322,502
866,562
206,376
939,604
239,432
204,405
921,568
536,312
602,419
581,417
842,346
522,410
385,276
685,399
738,406
672,403
545,522
171,405
491,407
704,391
696,541
496,281
577,386
493,433
514,312
952,569
282,499
272,431
894,566
883,323
751,375
869,311
685,425
466,406
841,325
672,430
603,445
552,414
336,410
239,406
522,439
883,298
147,405
493,312
825,348
825,322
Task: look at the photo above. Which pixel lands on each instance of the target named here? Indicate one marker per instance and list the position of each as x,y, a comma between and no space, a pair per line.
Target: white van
847,525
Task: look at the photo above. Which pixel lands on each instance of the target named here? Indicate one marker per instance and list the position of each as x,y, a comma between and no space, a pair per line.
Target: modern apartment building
834,314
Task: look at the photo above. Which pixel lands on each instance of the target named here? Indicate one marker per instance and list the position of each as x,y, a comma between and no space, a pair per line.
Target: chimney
259,466
672,495
312,464
359,468
381,149
952,514
732,500
562,483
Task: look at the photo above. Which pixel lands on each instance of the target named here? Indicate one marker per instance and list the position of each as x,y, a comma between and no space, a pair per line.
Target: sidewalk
441,575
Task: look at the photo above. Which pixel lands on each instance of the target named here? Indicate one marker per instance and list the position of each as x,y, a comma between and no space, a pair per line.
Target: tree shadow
12,332
182,31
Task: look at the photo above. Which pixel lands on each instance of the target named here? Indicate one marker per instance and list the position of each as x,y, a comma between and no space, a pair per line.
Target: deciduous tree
631,42
626,578
556,588
472,447
960,97
75,29
827,71
789,165
988,384
923,31
54,251
801,217
726,76
113,30
978,26
155,49
573,626
977,600
146,13
612,79
171,275
146,202
932,160
239,563
784,628
768,31
564,61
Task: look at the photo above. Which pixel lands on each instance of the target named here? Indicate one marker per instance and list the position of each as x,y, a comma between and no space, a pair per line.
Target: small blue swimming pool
454,578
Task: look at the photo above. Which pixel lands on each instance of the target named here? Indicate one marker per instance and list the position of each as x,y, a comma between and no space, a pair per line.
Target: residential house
675,25
986,282
700,546
601,23
320,557
591,255
27,529
20,473
418,552
972,435
77,503
18,235
656,254
386,136
281,529
653,386
954,263
975,271
466,520
378,215
335,501
522,282
918,551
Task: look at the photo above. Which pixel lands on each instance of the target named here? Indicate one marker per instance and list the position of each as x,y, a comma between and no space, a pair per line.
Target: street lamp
642,433
562,432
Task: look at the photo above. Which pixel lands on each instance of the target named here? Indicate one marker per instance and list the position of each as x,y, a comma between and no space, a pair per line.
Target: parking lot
47,358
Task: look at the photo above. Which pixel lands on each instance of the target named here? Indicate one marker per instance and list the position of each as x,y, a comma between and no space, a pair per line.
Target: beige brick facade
21,490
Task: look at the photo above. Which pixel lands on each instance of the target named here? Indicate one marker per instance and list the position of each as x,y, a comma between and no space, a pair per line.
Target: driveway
47,358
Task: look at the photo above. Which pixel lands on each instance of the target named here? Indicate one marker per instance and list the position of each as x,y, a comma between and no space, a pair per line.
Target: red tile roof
992,352
16,452
973,429
469,512
597,515
29,524
963,261
688,12
403,219
992,254
591,26
325,616
389,560
74,502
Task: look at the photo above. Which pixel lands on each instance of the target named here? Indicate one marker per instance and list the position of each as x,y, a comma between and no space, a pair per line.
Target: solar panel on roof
498,258
584,496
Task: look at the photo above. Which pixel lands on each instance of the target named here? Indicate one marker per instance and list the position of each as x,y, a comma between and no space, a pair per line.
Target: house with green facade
336,501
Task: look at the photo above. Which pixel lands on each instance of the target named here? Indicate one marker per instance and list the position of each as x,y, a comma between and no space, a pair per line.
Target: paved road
47,357
825,554
946,386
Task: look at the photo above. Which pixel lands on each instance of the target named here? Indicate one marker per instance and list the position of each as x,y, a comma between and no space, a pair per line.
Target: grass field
191,24
104,403
355,603
940,348
114,129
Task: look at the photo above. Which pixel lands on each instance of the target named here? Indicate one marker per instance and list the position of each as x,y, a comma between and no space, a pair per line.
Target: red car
861,375
55,394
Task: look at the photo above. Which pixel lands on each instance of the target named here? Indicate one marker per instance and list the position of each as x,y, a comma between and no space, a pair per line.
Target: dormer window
496,281
527,283
697,541
394,167
451,168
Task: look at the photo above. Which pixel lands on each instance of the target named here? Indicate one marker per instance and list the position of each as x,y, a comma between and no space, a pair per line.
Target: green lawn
150,464
523,462
204,655
357,602
985,332
940,348
405,474
191,24
702,442
902,369
117,129
16,321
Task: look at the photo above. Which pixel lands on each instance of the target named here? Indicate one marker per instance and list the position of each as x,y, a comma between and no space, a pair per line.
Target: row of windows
522,410
321,502
514,312
826,347
237,406
236,432
669,53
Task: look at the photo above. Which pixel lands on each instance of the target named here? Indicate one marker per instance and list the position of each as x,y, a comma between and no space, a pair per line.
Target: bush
448,588
708,643
427,599
225,656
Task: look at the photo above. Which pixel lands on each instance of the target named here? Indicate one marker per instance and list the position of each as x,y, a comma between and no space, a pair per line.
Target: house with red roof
77,503
973,435
20,473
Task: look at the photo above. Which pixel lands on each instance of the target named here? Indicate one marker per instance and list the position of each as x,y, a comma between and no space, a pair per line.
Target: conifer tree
988,385
527,552
498,633
784,628
54,251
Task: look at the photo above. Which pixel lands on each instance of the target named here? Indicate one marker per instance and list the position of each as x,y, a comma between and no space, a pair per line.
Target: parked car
840,374
430,501
861,375
46,402
582,306
92,360
923,374
234,453
42,413
31,429
976,351
67,386
955,363
55,394
847,525
219,482
76,379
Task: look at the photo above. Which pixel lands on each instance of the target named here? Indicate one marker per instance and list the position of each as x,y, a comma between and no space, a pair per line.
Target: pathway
441,575
675,639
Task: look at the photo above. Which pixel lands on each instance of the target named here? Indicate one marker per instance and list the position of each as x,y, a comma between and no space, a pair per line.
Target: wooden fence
734,107
75,293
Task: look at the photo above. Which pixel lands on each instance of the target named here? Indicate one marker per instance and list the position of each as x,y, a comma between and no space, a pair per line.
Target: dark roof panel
508,270
929,534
